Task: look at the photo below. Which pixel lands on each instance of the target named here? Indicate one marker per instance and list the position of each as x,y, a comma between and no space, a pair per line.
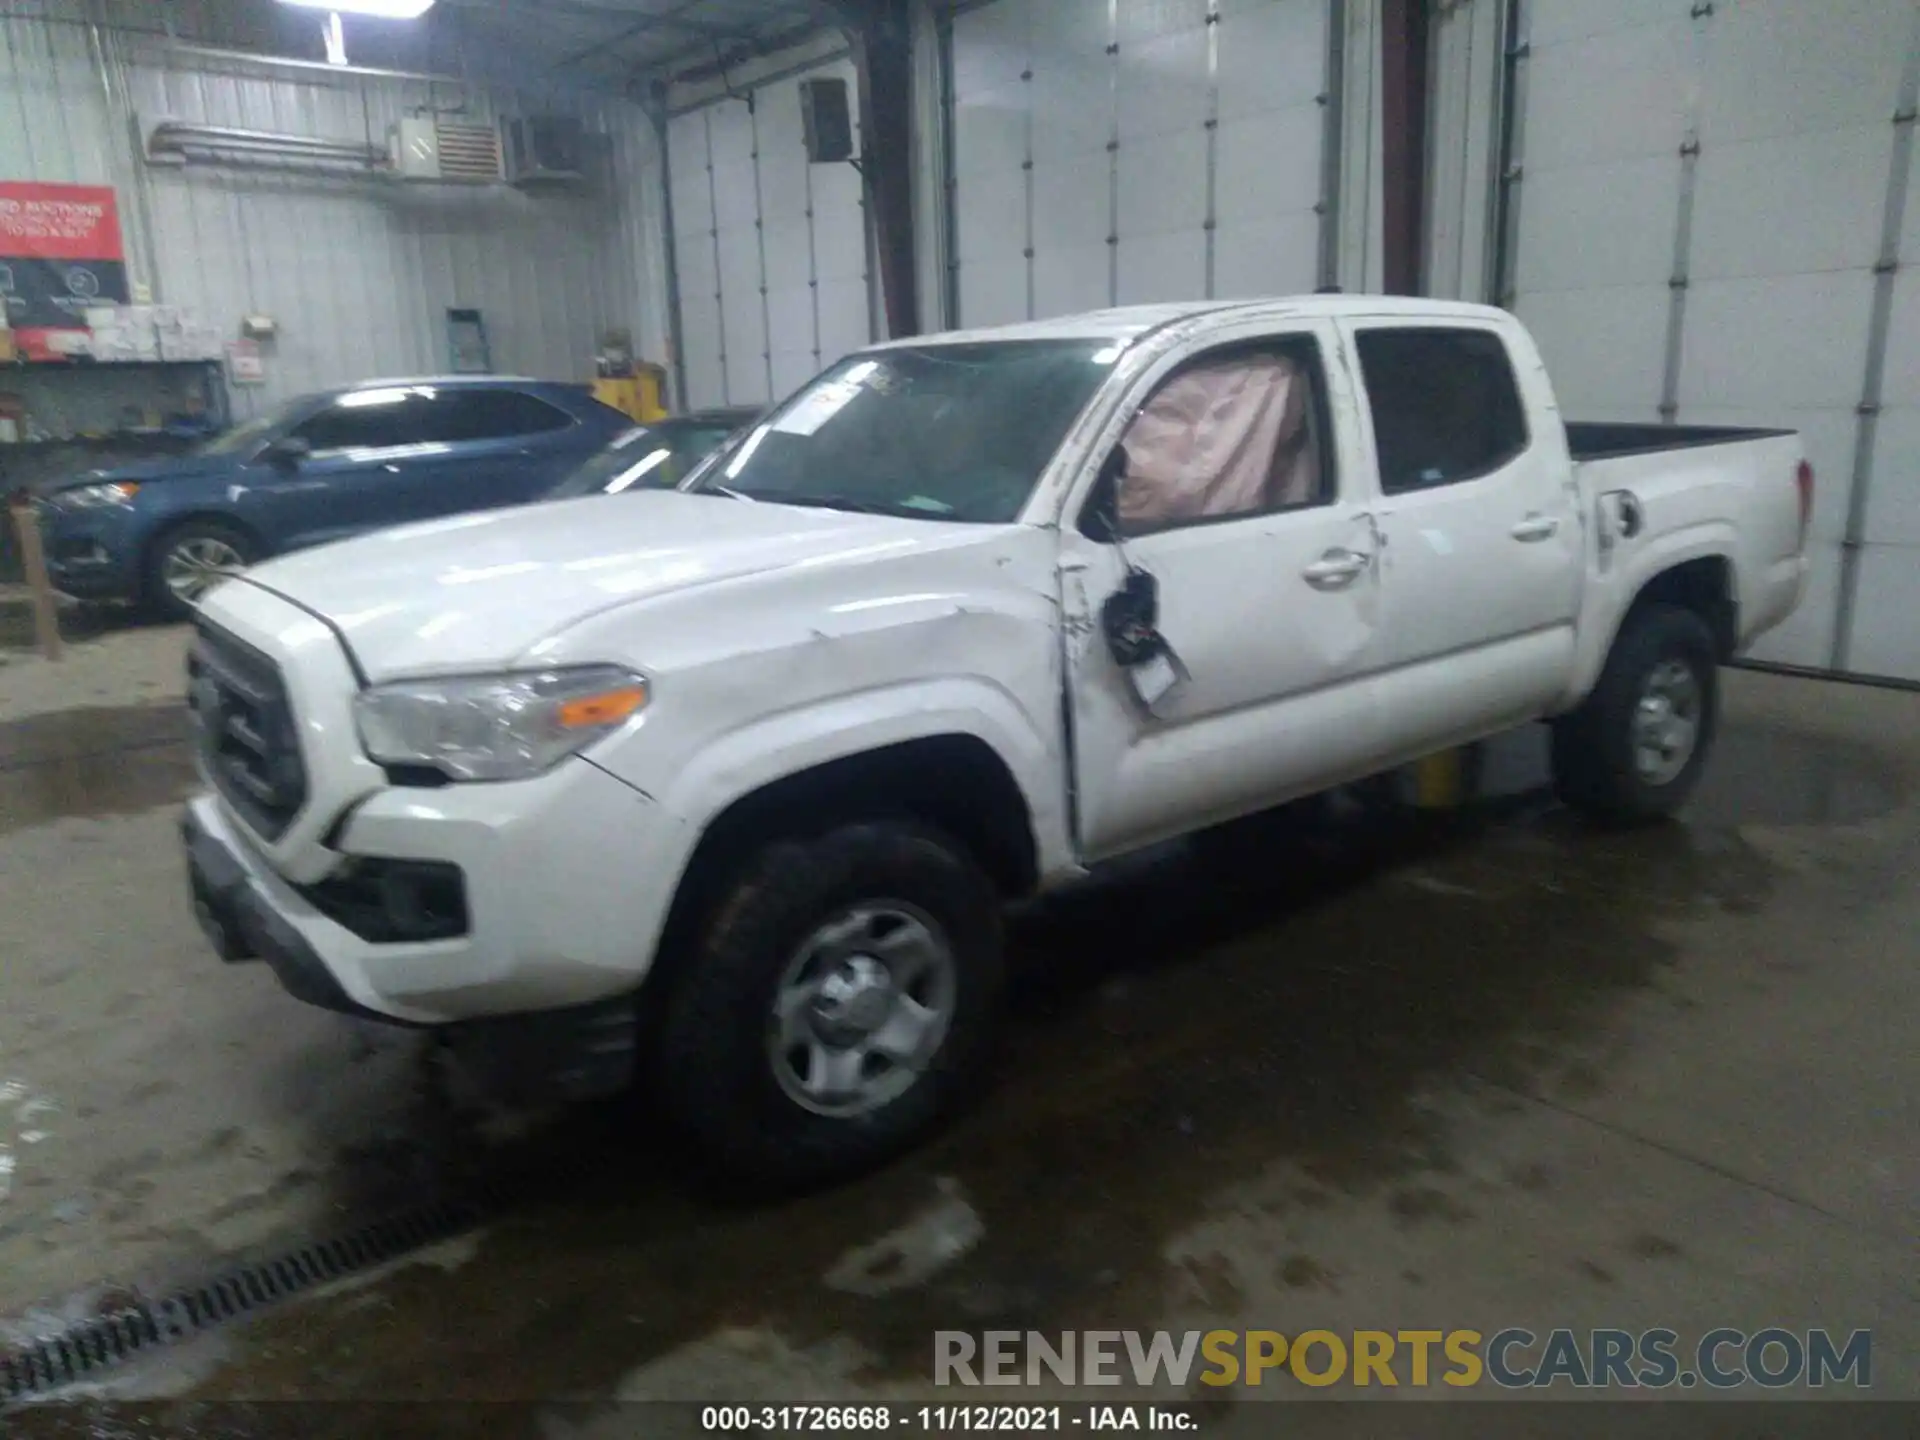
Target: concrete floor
1502,1070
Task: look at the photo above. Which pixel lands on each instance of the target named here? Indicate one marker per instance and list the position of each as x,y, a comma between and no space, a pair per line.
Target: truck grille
244,727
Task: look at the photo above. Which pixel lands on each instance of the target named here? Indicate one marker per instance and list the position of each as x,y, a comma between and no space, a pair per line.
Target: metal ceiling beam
638,20
641,26
717,60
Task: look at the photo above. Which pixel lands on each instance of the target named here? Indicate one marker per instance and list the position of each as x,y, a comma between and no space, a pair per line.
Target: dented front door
1271,624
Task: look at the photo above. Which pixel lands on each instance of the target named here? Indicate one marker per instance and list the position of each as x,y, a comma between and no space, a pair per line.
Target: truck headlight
496,727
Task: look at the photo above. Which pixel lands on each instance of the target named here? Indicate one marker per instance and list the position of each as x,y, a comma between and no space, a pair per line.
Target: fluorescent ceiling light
385,9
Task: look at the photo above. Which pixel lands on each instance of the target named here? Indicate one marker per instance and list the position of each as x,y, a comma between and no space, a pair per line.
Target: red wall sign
60,251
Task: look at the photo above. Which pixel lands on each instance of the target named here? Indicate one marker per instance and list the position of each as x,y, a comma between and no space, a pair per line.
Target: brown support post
882,35
1403,112
33,560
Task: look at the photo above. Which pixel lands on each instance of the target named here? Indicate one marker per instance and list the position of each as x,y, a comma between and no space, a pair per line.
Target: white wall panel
1773,228
1606,111
788,277
1463,146
1073,96
358,270
992,132
1152,150
1886,626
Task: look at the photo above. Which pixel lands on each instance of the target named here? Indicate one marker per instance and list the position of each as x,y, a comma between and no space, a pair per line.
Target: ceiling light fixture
384,9
336,40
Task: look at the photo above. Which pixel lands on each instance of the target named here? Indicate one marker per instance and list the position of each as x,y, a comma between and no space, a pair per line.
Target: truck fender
733,766
1615,595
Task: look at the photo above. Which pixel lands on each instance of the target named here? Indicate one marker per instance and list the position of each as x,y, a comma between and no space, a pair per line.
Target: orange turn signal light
608,708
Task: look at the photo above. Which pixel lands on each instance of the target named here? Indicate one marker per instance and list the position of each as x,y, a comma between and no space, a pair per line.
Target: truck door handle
1536,527
1336,569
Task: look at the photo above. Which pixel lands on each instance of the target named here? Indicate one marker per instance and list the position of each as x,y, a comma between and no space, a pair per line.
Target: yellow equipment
637,395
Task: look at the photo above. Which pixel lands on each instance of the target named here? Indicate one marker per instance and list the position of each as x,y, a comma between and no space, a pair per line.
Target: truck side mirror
1100,517
1129,619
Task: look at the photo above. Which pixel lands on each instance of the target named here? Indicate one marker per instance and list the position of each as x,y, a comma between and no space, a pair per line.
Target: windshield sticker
817,409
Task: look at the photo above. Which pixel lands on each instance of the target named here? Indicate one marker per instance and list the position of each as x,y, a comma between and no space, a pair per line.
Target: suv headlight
94,497
496,727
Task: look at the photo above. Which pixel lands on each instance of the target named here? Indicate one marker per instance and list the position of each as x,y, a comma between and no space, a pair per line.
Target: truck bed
1607,440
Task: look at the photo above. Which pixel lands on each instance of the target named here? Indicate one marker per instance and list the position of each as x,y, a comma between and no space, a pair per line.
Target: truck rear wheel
840,1003
1634,750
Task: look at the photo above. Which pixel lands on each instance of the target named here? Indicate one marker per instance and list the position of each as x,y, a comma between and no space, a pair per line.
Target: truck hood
478,591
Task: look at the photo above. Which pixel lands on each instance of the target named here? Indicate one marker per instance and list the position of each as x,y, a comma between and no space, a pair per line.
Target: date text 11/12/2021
947,1419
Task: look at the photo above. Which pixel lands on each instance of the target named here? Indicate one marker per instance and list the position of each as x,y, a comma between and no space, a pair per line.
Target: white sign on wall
244,363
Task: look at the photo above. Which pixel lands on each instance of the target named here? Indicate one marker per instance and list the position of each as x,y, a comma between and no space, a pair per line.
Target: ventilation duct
177,142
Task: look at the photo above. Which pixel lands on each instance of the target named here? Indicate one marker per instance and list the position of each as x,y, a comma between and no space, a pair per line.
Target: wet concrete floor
1477,1070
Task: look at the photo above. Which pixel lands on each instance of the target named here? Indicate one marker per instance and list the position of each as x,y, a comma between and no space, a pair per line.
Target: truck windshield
937,432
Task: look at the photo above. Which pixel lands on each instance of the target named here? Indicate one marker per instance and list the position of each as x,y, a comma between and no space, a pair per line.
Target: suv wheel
189,560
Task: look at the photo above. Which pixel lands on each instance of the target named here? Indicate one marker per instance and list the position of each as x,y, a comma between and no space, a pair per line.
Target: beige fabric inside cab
1227,438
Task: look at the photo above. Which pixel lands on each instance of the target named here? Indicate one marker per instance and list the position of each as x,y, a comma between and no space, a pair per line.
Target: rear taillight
1803,477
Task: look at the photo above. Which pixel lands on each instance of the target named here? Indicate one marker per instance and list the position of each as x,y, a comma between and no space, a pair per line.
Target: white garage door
1150,150
1709,193
772,251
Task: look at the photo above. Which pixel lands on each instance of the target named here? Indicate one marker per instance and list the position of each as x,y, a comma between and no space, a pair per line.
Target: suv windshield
940,432
246,437
648,457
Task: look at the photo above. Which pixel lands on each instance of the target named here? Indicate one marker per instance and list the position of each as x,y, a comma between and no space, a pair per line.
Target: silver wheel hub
864,1005
1666,722
195,565
854,1001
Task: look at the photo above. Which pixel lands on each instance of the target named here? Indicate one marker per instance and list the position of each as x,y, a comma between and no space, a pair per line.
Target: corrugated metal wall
1168,149
772,250
1711,223
358,271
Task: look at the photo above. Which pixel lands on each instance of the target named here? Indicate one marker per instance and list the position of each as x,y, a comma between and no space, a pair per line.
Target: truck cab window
1445,405
1231,435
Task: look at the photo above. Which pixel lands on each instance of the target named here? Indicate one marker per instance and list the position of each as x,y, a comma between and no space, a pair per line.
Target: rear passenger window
498,415
1445,405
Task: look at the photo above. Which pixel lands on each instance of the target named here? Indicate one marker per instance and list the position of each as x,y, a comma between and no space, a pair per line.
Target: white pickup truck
726,787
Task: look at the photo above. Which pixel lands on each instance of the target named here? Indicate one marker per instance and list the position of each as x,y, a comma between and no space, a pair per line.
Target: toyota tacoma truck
724,788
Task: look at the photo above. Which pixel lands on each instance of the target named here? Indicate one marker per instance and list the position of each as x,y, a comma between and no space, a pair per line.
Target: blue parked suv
318,468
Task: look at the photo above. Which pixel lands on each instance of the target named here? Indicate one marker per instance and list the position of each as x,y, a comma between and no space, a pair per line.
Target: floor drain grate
89,1347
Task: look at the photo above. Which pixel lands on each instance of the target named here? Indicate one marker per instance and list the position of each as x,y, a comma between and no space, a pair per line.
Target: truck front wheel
1635,748
840,1003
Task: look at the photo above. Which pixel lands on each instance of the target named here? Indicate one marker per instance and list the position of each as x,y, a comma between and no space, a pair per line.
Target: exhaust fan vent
427,149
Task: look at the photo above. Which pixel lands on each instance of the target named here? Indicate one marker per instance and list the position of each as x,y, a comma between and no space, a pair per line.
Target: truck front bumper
564,882
241,923
579,1052
91,554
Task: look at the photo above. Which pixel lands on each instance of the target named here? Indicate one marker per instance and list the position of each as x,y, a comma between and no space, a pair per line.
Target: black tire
712,1065
1594,769
158,597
